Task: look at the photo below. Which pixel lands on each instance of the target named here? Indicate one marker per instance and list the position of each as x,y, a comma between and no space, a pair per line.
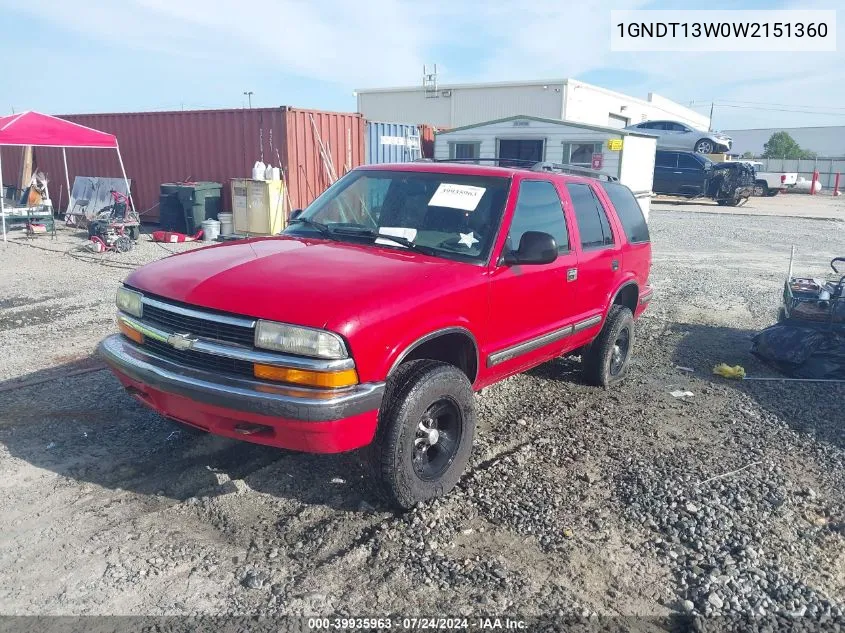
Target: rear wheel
761,188
606,358
425,432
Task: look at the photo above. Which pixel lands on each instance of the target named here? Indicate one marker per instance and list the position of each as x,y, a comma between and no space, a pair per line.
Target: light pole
248,95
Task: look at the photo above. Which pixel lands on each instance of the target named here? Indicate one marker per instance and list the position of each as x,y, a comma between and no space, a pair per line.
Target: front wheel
704,146
606,358
425,432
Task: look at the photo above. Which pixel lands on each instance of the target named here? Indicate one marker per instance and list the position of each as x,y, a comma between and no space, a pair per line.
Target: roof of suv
472,169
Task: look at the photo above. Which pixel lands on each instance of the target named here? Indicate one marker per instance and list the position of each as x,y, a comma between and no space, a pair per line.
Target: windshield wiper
319,226
365,232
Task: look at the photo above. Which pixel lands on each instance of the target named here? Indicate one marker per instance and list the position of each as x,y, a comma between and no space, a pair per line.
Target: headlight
130,302
303,341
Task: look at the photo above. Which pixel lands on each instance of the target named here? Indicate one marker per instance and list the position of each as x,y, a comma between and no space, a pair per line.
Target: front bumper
298,418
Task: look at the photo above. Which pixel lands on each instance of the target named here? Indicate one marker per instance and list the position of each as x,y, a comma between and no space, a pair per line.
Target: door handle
677,172
614,265
572,274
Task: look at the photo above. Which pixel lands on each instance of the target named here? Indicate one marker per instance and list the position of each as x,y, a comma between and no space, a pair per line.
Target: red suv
374,316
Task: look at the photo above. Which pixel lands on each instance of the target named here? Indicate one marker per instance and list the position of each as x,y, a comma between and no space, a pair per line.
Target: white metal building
624,154
826,141
449,106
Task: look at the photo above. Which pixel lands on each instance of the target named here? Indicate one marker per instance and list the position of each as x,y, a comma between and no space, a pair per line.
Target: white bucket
210,230
226,227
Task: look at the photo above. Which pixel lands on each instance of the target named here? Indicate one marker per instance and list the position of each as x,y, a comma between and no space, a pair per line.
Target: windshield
446,215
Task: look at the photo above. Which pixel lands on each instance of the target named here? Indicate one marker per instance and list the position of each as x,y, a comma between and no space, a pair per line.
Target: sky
138,55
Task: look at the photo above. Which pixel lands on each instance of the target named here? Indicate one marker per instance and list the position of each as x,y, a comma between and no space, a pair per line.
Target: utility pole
248,95
711,117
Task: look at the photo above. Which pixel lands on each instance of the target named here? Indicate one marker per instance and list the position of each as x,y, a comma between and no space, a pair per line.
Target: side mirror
295,214
535,247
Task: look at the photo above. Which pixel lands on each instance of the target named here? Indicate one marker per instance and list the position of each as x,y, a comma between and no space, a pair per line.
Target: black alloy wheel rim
619,353
437,439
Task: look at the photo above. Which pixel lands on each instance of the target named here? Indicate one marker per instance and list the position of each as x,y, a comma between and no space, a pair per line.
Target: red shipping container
215,145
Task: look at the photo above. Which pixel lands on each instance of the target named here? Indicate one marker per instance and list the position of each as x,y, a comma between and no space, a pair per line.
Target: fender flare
625,284
430,337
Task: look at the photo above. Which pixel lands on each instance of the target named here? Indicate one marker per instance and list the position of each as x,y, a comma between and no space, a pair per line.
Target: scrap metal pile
809,339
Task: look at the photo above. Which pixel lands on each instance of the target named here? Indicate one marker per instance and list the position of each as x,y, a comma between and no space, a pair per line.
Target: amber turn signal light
129,332
307,378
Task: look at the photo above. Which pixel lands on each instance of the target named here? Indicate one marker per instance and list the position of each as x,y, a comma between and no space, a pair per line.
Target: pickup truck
693,175
374,316
770,183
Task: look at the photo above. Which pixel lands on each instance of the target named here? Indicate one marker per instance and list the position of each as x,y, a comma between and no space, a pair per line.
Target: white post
125,179
2,199
67,178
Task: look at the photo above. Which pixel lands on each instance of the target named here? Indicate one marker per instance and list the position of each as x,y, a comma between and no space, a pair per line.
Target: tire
722,203
602,367
123,244
410,462
134,233
761,188
704,146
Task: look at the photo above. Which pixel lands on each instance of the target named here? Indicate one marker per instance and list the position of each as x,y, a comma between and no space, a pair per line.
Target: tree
782,145
748,154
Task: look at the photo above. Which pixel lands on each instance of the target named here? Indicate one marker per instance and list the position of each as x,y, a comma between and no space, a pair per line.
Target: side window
580,154
629,212
685,161
666,159
538,208
464,150
592,219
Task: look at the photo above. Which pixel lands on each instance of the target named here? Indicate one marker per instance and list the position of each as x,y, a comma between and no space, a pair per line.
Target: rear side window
592,220
538,208
629,212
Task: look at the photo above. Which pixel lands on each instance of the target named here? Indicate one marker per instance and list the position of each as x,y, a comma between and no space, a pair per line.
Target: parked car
372,319
770,183
693,175
675,135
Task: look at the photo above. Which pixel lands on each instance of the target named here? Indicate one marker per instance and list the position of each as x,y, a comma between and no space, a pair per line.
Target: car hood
308,282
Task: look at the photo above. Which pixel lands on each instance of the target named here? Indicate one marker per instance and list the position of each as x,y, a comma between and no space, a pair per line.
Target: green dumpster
184,205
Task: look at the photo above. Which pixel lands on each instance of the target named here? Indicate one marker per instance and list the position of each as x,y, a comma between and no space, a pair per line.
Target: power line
750,107
785,105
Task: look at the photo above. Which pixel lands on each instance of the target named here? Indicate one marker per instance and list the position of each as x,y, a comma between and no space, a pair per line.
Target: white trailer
625,154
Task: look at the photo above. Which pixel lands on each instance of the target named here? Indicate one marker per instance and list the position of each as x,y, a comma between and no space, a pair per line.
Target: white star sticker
468,239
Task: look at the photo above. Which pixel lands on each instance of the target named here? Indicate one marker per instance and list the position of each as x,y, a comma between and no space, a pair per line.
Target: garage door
614,120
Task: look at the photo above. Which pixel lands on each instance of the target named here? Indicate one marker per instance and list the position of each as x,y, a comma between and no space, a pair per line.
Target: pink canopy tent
42,130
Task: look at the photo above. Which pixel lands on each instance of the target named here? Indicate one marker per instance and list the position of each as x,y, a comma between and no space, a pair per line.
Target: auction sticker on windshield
464,197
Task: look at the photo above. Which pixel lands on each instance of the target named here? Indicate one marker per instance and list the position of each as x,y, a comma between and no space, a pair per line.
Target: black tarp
803,352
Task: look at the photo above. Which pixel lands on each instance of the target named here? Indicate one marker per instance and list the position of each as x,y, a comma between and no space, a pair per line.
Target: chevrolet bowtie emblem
181,341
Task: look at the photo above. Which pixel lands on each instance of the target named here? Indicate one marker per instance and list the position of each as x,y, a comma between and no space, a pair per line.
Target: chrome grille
198,360
202,327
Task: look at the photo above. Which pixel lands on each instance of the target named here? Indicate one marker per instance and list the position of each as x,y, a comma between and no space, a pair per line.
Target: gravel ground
579,502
